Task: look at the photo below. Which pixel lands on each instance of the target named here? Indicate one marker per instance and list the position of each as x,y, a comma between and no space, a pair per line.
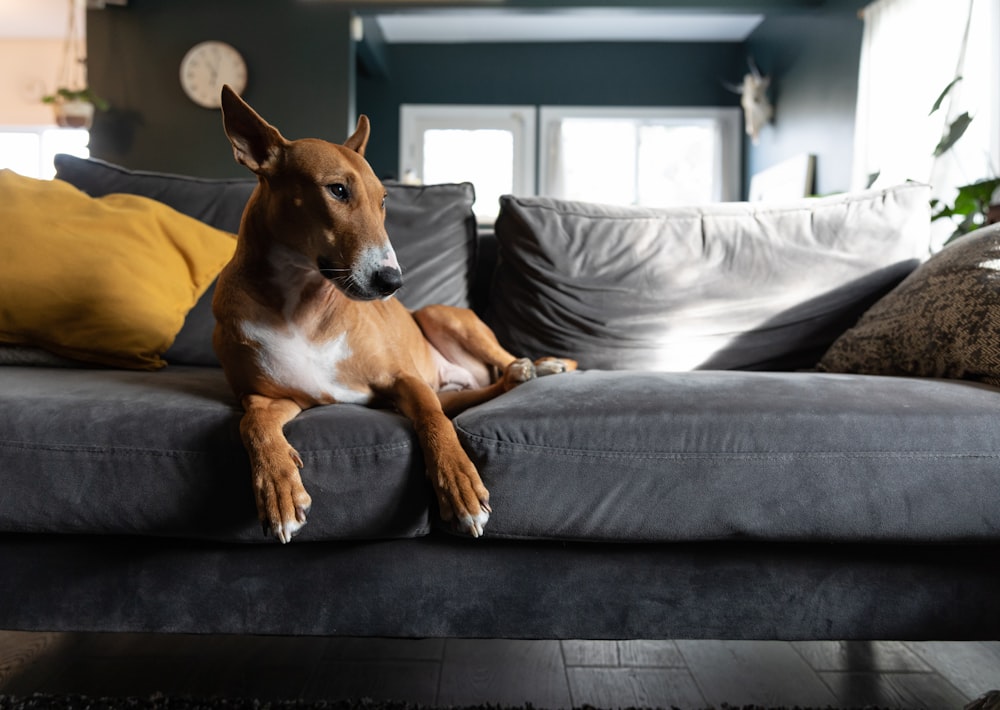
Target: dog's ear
256,143
359,139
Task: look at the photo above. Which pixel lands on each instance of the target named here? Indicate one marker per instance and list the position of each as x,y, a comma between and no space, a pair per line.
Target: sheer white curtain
911,50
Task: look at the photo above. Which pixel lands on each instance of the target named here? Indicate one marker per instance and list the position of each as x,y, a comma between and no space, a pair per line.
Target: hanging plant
64,95
74,107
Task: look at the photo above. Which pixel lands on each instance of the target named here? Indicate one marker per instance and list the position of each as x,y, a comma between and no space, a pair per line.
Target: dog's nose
387,280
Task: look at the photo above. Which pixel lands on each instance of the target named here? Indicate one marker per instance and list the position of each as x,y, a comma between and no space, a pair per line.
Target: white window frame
415,119
727,123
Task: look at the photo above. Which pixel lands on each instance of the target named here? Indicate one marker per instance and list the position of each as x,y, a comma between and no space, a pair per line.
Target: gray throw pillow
432,229
942,321
721,286
219,203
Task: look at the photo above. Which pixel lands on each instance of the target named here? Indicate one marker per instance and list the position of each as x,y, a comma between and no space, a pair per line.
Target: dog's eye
339,191
383,201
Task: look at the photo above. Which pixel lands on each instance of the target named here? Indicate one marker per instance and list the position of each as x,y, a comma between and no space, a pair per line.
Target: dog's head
320,199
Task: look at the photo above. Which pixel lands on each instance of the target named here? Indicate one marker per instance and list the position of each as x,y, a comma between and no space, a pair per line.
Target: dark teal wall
300,62
633,74
813,62
304,79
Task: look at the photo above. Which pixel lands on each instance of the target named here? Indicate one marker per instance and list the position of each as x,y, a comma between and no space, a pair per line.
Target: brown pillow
942,321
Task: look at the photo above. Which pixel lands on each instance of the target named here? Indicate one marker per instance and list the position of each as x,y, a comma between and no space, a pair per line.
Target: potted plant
74,108
974,206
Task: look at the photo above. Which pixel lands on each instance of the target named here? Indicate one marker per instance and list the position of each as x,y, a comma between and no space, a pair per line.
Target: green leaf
940,99
955,131
976,196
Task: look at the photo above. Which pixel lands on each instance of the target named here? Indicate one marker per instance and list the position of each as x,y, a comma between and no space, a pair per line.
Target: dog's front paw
463,500
282,500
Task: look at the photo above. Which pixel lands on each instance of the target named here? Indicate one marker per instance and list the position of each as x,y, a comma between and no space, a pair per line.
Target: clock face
207,67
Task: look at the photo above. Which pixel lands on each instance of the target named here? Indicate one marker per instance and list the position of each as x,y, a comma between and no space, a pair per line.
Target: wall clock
209,65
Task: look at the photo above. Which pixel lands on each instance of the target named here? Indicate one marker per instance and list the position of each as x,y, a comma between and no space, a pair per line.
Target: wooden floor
546,674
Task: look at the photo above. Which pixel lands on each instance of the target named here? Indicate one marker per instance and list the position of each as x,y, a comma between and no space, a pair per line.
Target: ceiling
593,24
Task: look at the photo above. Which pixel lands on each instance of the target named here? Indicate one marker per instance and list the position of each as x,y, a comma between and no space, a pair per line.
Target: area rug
164,702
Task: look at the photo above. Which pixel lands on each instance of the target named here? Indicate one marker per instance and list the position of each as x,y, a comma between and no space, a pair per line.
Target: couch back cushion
722,286
432,228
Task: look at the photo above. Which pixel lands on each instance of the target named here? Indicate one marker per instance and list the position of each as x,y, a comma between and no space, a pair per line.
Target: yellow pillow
106,280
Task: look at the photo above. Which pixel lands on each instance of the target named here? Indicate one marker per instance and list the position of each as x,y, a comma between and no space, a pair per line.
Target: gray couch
698,479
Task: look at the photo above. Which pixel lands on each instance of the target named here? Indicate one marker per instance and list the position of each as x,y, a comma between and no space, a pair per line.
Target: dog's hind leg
464,339
282,500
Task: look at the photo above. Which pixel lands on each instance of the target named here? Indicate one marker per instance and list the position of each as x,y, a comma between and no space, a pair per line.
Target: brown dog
305,316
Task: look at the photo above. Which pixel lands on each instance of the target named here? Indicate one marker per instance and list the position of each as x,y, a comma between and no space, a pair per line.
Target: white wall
31,70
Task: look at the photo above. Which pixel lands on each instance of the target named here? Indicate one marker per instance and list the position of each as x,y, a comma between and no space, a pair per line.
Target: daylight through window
655,157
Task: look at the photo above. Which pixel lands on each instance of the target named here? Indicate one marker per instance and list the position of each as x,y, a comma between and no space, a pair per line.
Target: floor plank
860,656
914,691
266,667
503,672
547,674
590,653
973,668
27,658
20,649
661,654
407,681
379,649
748,672
104,665
634,687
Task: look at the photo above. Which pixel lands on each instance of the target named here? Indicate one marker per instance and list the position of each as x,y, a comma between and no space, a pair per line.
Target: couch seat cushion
158,453
712,455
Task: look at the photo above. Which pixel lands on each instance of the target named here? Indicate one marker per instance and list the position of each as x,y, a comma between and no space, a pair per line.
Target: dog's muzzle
379,281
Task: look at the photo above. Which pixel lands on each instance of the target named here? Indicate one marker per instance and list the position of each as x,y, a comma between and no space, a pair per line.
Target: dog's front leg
282,501
462,497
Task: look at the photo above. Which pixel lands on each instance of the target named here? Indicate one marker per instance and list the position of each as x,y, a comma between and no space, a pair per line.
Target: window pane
19,152
596,161
483,157
633,160
676,165
30,151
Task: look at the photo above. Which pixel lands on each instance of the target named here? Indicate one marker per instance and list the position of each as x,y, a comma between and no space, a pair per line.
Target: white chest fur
293,361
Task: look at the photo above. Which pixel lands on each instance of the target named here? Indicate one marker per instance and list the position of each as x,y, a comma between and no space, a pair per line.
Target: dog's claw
474,526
